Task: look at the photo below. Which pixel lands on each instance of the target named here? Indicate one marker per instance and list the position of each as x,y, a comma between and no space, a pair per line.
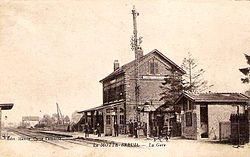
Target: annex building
208,115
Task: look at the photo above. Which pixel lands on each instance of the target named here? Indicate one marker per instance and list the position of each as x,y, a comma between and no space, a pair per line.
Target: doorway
204,120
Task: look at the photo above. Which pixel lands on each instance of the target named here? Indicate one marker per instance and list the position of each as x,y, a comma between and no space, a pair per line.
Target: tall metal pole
135,46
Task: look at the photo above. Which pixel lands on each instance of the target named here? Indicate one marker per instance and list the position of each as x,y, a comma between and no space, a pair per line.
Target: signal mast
135,46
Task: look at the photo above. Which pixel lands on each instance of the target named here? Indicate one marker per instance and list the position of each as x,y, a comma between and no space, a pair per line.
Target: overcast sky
57,52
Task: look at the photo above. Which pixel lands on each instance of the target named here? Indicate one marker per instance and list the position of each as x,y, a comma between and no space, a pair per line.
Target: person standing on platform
135,129
131,128
116,127
98,128
86,130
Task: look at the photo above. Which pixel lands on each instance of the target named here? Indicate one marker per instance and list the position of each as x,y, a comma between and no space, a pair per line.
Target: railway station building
119,100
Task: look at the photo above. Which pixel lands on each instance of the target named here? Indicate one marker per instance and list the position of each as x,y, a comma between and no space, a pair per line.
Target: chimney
116,65
139,52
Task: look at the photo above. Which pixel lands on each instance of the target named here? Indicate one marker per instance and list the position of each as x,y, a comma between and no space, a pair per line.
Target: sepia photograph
104,78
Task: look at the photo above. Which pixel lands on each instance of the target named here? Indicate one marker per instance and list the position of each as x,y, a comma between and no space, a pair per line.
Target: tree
246,71
172,87
54,118
46,120
66,119
193,79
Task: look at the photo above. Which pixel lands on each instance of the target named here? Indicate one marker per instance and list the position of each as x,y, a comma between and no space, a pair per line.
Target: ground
172,148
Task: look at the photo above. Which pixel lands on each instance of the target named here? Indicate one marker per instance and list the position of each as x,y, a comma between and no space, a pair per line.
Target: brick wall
149,88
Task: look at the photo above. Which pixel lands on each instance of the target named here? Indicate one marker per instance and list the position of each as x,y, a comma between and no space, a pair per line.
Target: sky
58,51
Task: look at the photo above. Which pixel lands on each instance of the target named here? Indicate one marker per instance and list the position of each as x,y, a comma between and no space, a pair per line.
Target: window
115,119
115,109
153,67
105,96
121,91
114,94
188,118
121,110
109,95
189,105
108,119
111,98
156,68
108,111
122,119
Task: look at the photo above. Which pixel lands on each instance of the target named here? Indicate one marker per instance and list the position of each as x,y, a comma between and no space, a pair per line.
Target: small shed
204,114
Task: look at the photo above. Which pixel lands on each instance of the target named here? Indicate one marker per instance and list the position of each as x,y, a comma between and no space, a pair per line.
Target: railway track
56,140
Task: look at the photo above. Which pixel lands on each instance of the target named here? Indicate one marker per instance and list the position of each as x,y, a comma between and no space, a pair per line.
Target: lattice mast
135,46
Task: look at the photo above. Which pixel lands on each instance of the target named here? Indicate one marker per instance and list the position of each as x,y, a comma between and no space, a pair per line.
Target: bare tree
193,79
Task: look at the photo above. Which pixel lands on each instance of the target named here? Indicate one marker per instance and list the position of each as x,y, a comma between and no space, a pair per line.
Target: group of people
134,127
87,129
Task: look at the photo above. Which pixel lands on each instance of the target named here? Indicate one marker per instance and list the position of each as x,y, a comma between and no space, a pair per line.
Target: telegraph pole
135,45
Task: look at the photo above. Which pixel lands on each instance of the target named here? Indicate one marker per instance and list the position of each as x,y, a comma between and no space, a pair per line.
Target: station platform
142,141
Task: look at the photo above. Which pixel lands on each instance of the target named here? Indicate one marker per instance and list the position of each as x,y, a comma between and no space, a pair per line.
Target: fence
239,128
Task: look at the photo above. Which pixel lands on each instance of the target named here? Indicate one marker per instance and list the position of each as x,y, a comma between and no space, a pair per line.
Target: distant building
207,115
119,104
29,121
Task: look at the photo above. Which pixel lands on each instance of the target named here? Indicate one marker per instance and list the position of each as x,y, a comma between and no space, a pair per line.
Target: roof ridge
143,57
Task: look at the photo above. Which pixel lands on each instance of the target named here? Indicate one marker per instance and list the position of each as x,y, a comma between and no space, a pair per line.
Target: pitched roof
215,97
131,64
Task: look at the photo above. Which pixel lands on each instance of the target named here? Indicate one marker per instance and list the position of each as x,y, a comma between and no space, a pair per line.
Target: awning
93,109
6,106
100,107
